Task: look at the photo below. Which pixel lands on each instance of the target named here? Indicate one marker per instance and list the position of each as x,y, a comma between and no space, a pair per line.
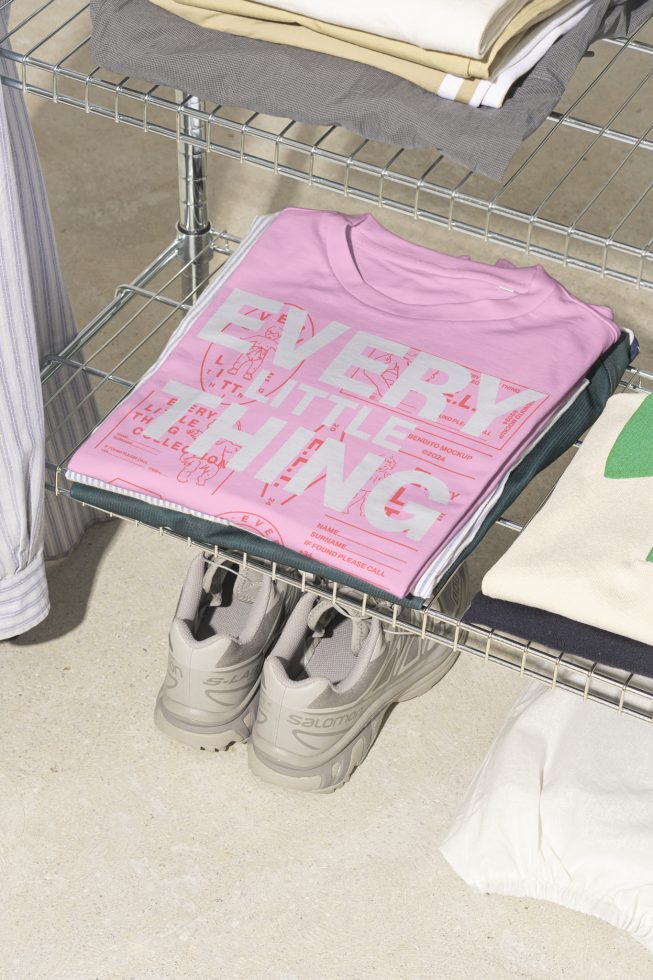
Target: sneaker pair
306,683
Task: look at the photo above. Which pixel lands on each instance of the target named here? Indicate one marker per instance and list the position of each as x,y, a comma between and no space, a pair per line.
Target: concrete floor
128,856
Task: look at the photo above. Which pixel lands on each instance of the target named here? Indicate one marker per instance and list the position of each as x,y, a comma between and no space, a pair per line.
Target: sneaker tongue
324,611
361,631
248,585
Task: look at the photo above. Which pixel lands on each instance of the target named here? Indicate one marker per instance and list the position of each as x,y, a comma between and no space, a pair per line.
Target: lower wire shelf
86,380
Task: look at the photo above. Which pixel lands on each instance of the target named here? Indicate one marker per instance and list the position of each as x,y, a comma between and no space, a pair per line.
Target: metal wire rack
105,362
579,192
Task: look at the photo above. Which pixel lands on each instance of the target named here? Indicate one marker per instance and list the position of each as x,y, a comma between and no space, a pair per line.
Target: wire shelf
579,192
110,355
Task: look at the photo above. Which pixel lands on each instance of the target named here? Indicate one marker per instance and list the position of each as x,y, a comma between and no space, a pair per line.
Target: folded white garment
562,809
451,76
466,27
588,554
492,92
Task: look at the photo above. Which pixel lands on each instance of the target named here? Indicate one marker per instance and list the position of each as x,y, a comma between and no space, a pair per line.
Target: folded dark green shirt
603,379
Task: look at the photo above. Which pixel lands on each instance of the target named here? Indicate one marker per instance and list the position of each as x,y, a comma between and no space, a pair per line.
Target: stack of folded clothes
579,578
424,73
358,405
471,52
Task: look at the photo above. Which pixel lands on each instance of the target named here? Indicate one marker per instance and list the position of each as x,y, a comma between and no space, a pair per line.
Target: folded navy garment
135,37
603,379
559,633
230,538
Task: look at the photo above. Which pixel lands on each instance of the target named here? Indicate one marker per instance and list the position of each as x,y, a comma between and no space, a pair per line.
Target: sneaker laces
212,583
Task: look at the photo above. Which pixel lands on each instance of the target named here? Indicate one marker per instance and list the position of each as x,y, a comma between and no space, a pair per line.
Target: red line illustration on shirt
439,466
231,374
461,445
385,379
200,471
460,403
368,547
209,469
267,491
122,418
375,534
254,523
357,503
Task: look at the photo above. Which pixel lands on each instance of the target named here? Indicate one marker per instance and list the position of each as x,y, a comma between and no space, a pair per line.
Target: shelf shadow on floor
70,583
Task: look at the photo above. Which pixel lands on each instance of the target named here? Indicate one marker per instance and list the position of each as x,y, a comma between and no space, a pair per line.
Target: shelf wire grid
580,191
109,356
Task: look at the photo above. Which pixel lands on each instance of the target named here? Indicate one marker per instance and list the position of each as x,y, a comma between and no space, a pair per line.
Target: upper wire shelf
580,191
109,356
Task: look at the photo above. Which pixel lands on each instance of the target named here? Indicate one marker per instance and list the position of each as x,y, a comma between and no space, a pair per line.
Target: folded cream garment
426,582
588,554
464,27
522,53
562,809
137,38
249,18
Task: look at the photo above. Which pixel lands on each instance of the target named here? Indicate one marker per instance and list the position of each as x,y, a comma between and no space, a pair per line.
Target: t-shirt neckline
519,290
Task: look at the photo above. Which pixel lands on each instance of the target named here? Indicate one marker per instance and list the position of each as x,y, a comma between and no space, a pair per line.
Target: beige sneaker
225,624
327,687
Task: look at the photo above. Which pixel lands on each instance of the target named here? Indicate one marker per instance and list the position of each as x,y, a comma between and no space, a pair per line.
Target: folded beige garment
427,69
464,27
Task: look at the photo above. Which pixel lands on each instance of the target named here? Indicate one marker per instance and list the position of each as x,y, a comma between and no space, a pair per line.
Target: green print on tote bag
631,457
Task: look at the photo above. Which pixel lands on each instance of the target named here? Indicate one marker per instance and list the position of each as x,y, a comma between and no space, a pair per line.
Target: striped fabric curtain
35,320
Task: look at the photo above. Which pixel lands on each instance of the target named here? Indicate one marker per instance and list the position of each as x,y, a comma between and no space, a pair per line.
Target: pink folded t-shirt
348,394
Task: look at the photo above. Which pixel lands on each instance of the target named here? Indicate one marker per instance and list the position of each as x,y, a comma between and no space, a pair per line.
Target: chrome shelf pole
194,225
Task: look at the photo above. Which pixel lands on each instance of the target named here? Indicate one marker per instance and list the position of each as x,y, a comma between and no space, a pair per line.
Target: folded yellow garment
247,18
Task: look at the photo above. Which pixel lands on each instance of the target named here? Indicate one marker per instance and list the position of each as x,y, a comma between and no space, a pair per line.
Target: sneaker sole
207,738
334,773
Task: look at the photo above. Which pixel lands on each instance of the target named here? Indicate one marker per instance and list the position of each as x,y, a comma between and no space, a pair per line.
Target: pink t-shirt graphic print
347,394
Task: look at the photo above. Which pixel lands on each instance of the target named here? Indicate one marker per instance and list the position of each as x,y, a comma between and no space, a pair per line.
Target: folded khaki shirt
464,27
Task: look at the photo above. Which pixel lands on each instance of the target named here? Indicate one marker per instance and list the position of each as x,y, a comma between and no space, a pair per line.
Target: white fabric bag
562,809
